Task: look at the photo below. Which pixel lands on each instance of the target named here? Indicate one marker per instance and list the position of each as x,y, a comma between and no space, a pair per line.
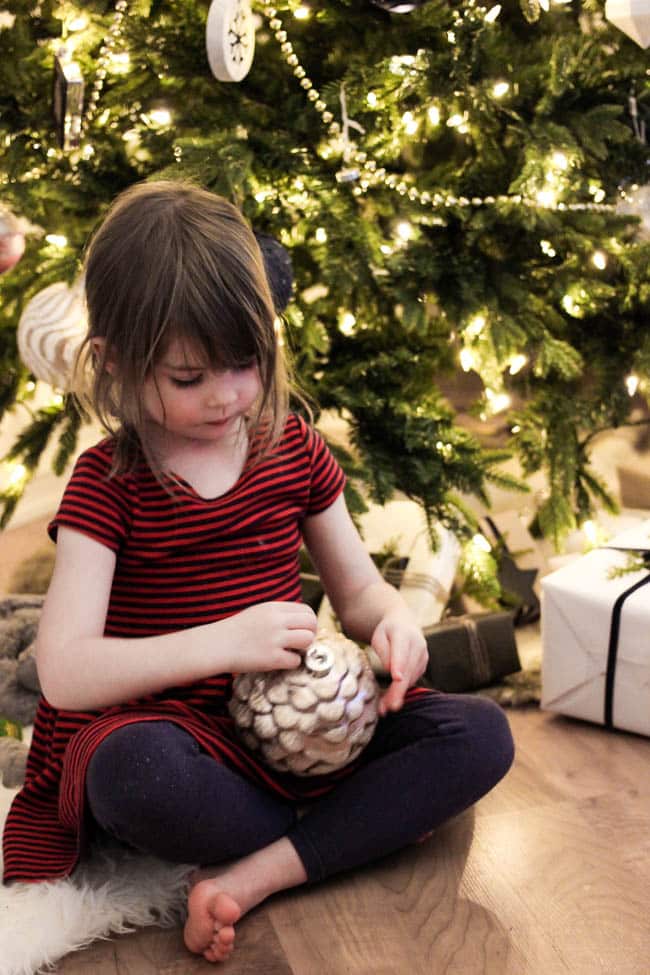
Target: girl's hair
172,261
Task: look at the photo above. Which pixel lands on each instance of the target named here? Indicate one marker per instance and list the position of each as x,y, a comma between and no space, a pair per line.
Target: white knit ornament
50,331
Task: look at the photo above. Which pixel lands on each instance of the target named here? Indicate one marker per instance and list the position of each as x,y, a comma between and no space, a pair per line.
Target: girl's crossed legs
151,786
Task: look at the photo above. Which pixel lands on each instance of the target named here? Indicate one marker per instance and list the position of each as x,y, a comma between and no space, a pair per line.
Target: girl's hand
269,636
400,645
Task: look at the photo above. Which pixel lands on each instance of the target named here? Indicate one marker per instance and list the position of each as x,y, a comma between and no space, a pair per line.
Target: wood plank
152,951
561,758
572,884
408,913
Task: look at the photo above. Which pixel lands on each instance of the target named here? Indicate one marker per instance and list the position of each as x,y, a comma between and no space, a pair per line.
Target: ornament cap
319,660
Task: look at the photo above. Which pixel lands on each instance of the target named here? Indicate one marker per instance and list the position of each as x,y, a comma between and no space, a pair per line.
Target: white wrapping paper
577,608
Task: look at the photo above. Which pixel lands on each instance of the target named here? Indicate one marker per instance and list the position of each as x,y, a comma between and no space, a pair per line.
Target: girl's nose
221,392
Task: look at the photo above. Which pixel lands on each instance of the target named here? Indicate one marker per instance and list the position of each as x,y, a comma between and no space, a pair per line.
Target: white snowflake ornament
230,39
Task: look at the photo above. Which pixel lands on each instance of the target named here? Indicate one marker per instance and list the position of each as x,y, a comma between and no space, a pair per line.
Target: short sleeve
94,503
326,478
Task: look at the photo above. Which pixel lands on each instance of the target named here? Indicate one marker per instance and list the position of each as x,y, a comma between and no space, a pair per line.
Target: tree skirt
113,893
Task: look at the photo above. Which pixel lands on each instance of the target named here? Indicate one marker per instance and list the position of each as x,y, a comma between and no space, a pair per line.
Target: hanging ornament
50,331
68,101
230,39
531,9
397,6
635,202
12,240
279,270
632,17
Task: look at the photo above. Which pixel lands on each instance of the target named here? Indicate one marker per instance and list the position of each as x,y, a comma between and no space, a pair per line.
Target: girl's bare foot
211,915
222,895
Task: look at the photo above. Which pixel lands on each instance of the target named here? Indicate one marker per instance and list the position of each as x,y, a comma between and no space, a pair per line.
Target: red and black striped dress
181,561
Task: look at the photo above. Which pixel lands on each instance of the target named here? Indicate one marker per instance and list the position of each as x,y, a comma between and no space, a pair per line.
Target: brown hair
174,261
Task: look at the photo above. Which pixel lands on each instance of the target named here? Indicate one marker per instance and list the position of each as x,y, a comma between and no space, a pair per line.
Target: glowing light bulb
632,383
372,99
500,89
410,123
404,230
347,323
560,160
80,22
498,401
302,12
160,116
433,114
475,325
517,363
571,306
480,541
466,359
599,260
546,198
590,528
17,473
547,248
493,13
321,235
57,240
455,120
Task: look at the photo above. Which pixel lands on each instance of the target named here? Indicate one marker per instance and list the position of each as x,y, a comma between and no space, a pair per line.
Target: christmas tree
448,180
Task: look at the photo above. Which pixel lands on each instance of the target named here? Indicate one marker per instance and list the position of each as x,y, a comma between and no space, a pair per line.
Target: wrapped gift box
471,651
596,636
423,575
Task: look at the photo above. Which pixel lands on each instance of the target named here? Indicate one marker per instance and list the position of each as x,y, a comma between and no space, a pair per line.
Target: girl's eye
184,383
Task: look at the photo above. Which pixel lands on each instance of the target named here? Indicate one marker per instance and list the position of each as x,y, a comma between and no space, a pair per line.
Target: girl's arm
80,669
370,609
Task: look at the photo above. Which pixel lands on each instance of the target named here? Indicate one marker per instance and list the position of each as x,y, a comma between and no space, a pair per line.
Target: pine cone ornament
314,719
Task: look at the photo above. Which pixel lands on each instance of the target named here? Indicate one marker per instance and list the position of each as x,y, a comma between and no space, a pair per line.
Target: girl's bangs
223,336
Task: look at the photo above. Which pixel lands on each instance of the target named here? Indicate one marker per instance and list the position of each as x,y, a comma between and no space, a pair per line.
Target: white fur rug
113,893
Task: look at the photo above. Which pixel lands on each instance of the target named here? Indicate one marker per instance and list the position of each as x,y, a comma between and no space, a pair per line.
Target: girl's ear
100,355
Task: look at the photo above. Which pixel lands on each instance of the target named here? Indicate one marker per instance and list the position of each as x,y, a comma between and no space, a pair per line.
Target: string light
492,13
410,123
599,260
347,323
302,13
466,359
371,174
632,383
321,235
517,363
497,401
500,89
57,240
481,542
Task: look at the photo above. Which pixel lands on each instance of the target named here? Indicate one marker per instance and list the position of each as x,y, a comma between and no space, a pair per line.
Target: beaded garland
372,174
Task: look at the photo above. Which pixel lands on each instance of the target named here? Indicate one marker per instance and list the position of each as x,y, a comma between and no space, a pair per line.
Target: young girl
177,566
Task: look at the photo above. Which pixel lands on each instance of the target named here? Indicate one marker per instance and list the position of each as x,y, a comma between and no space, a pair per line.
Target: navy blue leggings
150,786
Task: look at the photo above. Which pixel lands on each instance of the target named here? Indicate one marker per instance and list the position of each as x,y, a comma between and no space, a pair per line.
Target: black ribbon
612,650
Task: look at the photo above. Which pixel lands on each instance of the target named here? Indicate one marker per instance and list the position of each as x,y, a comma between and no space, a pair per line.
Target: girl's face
193,401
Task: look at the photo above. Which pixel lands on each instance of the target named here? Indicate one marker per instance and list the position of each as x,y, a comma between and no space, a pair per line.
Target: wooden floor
549,874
